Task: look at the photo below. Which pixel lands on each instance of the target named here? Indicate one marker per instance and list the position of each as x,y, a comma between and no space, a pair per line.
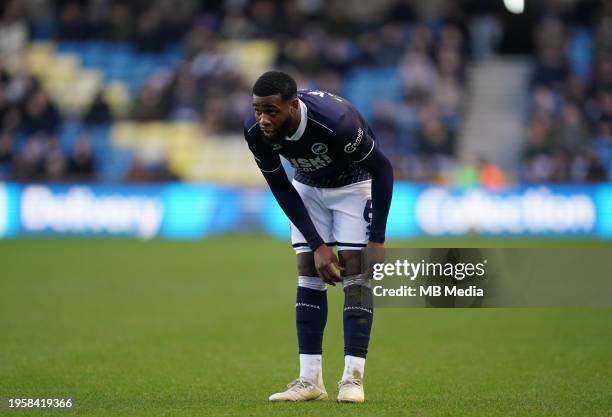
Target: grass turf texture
206,328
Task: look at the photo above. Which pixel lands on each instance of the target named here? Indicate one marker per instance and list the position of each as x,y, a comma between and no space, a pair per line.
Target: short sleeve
266,159
355,137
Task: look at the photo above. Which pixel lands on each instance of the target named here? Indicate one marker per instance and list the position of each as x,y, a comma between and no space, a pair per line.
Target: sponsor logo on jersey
352,147
319,148
310,164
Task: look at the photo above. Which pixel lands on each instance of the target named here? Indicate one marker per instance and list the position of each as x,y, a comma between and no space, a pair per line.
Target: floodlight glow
515,6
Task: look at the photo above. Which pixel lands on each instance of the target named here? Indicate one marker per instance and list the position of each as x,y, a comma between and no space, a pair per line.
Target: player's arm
360,147
290,201
292,205
381,170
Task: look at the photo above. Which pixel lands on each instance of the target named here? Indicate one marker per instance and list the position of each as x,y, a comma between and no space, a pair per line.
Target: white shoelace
356,382
298,384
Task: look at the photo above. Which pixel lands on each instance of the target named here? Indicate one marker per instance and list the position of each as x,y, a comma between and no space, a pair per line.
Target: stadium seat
115,164
117,95
366,85
252,57
580,52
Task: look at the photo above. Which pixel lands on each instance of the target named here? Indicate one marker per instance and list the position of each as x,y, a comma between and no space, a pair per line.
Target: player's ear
294,105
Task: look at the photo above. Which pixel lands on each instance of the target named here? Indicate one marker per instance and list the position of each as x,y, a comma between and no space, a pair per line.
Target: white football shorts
341,215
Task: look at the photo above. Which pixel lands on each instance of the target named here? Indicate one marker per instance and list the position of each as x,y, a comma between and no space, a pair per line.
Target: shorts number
367,213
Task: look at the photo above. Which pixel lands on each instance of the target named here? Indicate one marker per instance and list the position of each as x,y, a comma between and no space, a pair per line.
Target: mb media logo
3,209
319,148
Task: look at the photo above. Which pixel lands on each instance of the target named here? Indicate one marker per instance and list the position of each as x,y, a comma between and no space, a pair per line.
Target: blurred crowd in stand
26,108
569,136
423,56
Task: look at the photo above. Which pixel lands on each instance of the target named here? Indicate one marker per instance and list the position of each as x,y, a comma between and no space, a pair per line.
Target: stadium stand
156,91
569,138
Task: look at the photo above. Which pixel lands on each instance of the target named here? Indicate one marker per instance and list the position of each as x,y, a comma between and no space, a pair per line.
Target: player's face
274,116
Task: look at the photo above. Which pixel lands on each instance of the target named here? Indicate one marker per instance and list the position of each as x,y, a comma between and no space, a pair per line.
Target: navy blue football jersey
326,149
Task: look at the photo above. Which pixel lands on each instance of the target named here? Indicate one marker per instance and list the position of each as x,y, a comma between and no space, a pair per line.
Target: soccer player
340,196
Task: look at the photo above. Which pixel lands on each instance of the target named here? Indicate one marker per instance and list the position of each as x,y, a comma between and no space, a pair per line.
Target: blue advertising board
184,211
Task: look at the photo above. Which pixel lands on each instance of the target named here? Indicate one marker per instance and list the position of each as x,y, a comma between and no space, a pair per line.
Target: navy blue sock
358,315
310,318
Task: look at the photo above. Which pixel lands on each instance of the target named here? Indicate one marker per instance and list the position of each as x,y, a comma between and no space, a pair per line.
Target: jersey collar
302,127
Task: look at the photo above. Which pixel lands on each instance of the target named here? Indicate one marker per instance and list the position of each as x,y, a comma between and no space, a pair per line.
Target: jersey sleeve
266,159
354,137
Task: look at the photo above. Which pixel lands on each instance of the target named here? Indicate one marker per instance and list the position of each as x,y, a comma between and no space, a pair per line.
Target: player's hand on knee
327,265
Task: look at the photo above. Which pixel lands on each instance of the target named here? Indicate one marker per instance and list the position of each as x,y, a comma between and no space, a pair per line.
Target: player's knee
306,265
350,260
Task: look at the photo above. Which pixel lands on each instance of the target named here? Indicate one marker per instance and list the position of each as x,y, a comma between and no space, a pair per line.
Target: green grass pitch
166,328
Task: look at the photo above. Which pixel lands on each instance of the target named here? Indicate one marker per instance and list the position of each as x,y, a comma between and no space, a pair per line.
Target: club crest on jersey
352,147
319,148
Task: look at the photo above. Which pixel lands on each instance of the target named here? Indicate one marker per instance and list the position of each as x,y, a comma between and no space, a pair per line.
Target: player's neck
295,124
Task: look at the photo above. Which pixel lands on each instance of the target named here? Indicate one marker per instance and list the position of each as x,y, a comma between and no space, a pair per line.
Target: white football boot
351,391
301,389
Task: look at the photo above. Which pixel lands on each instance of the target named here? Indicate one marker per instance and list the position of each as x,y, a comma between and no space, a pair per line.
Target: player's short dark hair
275,82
